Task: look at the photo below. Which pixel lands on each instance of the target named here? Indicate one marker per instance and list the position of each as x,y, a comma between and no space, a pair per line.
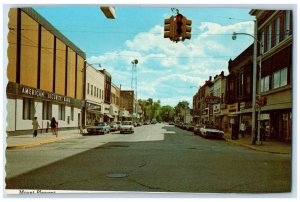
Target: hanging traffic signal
177,28
179,24
169,28
186,28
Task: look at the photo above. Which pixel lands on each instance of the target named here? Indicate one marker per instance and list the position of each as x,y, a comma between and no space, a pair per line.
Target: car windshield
126,123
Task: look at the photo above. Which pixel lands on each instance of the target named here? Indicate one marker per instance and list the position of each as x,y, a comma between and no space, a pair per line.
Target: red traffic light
179,23
179,17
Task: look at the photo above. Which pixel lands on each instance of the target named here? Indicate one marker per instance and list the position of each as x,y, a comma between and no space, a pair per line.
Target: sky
166,71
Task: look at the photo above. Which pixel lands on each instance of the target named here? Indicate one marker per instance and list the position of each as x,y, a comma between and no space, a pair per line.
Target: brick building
275,32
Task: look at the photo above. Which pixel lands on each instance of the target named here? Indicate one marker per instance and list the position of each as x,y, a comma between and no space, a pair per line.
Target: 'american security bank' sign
46,95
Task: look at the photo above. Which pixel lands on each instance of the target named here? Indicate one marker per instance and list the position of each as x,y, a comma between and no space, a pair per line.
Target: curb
32,144
253,147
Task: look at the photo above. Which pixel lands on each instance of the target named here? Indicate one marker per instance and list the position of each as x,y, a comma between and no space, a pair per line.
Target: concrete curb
253,147
32,144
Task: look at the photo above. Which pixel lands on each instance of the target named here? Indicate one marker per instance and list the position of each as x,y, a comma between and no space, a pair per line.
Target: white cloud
166,69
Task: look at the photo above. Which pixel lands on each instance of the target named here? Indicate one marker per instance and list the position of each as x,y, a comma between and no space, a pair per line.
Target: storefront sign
212,100
45,95
216,109
232,108
204,111
242,105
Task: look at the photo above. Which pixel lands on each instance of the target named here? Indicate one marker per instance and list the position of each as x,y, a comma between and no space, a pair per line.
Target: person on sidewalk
54,126
243,129
35,126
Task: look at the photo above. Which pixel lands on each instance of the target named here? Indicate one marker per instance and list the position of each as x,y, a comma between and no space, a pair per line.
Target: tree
167,113
182,105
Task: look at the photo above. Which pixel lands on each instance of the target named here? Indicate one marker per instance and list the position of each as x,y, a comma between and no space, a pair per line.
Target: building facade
275,32
45,74
239,89
94,96
115,102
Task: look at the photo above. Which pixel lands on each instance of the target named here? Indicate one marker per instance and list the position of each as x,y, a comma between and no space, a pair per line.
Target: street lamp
234,36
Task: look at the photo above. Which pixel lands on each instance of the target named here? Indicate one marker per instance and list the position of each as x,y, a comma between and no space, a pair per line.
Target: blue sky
167,71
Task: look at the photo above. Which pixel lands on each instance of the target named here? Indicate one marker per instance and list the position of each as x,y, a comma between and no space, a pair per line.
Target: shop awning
109,116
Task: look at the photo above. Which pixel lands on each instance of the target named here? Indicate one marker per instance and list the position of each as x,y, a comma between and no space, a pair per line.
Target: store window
280,78
269,37
28,108
61,112
277,30
262,43
265,84
287,23
47,110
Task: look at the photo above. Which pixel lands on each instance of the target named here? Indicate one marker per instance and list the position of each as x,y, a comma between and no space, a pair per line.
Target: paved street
156,158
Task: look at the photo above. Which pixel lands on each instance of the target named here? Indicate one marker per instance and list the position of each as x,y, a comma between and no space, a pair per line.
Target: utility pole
134,86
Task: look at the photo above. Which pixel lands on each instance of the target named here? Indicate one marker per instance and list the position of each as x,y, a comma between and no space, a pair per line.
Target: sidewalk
270,145
24,141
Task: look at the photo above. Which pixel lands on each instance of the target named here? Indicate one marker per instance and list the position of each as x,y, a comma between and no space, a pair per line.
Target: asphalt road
156,158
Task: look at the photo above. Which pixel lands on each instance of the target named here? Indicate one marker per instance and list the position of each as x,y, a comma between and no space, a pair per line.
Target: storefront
24,103
93,112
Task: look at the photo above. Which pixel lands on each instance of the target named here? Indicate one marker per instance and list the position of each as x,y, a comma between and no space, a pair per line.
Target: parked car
153,121
197,129
190,127
115,125
98,128
126,127
211,131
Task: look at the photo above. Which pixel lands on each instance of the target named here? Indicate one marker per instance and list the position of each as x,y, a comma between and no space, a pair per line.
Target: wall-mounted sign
212,100
216,109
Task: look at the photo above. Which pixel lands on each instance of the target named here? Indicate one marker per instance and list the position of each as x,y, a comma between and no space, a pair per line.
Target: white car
211,131
126,127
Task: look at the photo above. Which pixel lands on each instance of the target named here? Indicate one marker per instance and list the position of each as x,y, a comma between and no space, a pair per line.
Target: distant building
239,89
127,104
94,100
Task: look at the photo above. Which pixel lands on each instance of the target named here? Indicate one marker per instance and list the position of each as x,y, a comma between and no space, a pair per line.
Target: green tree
167,113
182,105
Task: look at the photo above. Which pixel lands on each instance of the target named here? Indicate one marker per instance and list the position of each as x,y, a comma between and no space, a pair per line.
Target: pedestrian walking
54,126
35,126
243,129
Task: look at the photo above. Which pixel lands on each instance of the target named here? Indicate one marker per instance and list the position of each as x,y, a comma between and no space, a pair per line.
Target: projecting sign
212,100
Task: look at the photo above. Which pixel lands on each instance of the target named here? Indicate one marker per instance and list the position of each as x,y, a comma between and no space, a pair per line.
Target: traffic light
169,28
186,28
179,23
177,28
